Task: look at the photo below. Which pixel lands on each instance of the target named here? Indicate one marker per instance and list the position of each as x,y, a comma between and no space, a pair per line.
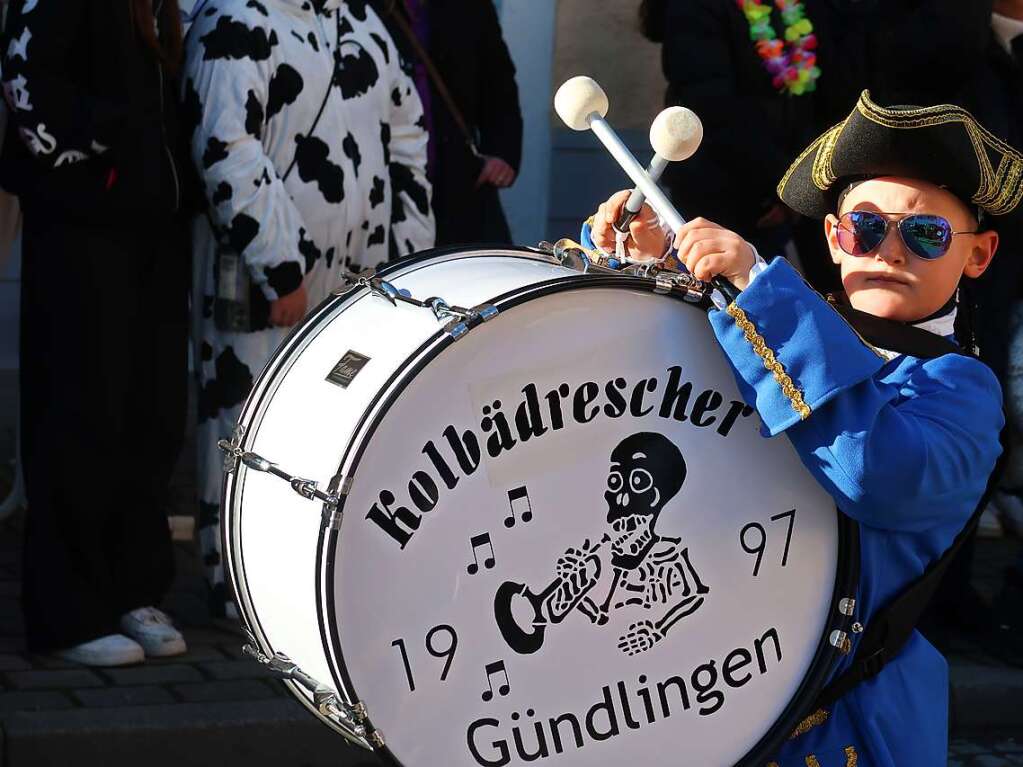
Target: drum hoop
826,657
265,386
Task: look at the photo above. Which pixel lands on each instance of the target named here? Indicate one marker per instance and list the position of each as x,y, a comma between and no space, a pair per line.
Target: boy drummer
904,442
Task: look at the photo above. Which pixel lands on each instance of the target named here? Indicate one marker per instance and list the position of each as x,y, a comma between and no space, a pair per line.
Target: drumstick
581,104
675,135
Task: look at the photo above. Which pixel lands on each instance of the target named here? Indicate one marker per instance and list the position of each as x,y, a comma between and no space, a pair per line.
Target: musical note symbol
518,494
496,668
476,542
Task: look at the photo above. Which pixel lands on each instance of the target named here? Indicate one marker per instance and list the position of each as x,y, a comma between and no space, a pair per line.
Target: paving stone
153,674
238,689
235,669
52,679
262,733
123,696
34,700
195,654
50,661
12,662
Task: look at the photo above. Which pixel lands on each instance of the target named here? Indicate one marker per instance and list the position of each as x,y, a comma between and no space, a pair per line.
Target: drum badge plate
349,366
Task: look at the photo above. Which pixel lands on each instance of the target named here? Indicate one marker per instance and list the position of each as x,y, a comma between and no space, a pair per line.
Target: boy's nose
892,250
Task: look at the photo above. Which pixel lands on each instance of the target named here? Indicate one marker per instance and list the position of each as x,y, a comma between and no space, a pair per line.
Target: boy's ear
984,246
831,235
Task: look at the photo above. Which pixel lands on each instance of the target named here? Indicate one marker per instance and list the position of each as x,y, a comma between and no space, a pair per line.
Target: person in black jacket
463,40
90,152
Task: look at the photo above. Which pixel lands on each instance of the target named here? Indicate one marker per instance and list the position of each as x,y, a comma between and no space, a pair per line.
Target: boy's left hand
709,250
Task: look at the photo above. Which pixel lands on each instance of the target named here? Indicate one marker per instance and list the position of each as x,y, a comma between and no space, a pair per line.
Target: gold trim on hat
998,193
823,174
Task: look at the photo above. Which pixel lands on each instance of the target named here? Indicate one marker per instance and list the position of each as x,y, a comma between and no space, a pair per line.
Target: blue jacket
905,447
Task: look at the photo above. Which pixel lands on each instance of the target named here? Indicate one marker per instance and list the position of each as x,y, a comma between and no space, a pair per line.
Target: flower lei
792,64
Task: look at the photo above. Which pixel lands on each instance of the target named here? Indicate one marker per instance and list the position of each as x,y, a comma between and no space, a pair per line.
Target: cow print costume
298,208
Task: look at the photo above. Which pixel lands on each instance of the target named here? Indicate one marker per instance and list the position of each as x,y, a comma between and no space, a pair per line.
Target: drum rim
265,385
826,658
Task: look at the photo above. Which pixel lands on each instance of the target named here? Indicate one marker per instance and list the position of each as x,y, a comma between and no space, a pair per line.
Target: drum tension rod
442,310
306,488
327,702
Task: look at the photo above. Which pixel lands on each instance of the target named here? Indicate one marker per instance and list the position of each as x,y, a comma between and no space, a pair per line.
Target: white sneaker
111,650
1011,507
154,630
990,526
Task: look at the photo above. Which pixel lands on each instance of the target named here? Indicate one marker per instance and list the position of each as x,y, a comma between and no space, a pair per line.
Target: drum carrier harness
893,625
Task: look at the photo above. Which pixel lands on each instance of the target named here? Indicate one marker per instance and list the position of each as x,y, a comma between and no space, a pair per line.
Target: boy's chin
887,304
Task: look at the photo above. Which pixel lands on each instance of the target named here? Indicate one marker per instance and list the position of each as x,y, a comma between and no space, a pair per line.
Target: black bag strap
893,625
435,77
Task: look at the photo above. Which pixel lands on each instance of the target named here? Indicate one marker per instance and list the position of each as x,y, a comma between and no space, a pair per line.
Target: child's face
891,281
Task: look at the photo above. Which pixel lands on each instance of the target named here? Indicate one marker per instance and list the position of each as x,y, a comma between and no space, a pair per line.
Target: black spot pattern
223,193
357,73
243,230
313,42
382,44
263,179
376,194
283,278
285,86
297,36
253,115
396,97
258,6
403,182
348,240
421,122
377,237
216,150
357,8
351,149
346,27
314,165
329,257
232,39
308,249
385,141
228,388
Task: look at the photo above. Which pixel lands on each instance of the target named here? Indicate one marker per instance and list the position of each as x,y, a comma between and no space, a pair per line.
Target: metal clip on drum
460,319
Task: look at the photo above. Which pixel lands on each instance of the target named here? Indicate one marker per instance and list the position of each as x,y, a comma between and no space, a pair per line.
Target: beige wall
601,38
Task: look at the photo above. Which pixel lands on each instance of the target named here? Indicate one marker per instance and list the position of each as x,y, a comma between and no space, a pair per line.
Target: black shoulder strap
896,336
893,625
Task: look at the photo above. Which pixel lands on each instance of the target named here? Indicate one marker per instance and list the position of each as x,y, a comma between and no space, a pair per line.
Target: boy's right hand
647,241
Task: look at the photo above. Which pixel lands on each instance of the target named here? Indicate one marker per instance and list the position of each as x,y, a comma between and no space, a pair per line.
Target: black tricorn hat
943,145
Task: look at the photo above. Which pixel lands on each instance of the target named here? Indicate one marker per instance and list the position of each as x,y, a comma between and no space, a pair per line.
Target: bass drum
559,535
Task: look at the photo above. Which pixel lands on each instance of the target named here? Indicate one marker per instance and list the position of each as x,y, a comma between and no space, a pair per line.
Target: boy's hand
646,241
709,250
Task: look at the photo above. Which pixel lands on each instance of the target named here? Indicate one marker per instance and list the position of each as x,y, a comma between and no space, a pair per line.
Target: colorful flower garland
792,63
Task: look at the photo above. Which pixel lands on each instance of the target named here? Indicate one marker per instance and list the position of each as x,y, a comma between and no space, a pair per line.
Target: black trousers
103,396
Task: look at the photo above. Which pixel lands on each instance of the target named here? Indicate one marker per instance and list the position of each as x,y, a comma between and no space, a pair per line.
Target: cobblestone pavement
986,752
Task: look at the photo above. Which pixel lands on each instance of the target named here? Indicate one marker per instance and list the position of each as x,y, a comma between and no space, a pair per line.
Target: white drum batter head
564,539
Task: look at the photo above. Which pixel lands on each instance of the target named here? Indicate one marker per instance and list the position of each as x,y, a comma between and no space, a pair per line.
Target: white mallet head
676,133
577,99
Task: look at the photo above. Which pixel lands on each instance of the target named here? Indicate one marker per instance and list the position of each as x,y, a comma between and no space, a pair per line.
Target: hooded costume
311,154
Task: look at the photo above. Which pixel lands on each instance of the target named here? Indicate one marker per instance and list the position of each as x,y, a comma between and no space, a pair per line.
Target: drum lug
232,448
663,283
351,718
838,639
307,488
847,606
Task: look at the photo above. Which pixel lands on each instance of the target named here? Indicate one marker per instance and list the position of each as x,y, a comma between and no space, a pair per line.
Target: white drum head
460,605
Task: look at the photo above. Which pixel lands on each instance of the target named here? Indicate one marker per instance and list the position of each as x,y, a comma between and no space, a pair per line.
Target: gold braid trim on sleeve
811,761
789,389
819,717
851,759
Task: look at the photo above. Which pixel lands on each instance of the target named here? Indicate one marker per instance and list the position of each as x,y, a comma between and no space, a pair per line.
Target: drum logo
349,366
647,570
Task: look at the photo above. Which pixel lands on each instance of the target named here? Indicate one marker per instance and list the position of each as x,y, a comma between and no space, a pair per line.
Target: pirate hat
942,144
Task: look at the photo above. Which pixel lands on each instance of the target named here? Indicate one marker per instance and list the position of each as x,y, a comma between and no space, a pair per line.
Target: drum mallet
581,104
675,135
